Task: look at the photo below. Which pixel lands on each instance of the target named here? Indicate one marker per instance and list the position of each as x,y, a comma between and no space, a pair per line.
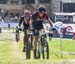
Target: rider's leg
24,41
35,45
35,40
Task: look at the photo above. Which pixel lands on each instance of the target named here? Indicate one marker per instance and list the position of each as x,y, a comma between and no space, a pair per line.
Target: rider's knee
35,38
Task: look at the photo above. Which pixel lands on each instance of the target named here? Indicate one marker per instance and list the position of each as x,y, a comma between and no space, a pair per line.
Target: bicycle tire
40,50
28,46
31,40
28,51
43,55
47,50
44,44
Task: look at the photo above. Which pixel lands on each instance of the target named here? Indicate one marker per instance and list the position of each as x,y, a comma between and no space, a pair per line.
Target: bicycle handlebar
20,29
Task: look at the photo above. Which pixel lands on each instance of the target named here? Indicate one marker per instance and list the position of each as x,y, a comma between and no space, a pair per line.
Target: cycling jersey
36,15
38,24
25,21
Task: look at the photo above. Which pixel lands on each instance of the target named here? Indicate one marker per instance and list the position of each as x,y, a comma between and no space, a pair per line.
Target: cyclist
26,20
38,18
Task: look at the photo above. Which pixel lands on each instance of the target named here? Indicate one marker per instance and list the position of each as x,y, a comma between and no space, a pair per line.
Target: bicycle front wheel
45,48
28,51
29,47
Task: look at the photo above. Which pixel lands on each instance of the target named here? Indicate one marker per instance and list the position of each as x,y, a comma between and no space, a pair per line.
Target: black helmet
42,9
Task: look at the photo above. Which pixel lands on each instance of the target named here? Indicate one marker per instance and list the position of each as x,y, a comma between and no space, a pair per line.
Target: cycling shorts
37,26
26,26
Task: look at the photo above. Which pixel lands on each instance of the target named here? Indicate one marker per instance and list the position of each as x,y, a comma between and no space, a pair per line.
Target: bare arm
50,22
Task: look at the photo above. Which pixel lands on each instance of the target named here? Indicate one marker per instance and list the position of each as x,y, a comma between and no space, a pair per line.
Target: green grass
68,46
11,52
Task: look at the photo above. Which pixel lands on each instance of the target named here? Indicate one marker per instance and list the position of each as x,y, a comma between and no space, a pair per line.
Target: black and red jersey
36,16
24,20
37,24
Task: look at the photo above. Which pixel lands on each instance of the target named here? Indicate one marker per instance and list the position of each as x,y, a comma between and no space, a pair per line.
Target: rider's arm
33,17
49,20
20,22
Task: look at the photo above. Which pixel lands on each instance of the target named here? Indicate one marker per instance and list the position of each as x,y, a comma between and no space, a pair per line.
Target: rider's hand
19,27
52,26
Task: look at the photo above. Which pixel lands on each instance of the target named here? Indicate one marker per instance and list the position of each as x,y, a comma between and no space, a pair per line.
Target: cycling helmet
42,9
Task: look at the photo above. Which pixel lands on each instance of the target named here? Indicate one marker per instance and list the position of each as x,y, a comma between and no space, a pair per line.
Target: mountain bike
29,44
43,47
29,41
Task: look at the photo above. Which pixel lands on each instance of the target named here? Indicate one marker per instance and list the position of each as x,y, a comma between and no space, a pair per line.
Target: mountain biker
38,18
26,20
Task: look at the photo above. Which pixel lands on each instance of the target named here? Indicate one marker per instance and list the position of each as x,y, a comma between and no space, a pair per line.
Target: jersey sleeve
33,17
21,20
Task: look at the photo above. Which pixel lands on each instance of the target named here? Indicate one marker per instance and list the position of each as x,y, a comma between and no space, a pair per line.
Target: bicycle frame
29,35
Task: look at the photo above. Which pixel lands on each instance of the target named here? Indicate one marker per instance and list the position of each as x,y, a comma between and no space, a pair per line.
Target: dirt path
17,54
20,56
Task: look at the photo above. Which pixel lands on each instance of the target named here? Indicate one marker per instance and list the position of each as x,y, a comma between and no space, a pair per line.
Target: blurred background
58,10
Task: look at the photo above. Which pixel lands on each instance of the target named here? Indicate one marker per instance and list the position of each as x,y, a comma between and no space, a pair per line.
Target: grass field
11,51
